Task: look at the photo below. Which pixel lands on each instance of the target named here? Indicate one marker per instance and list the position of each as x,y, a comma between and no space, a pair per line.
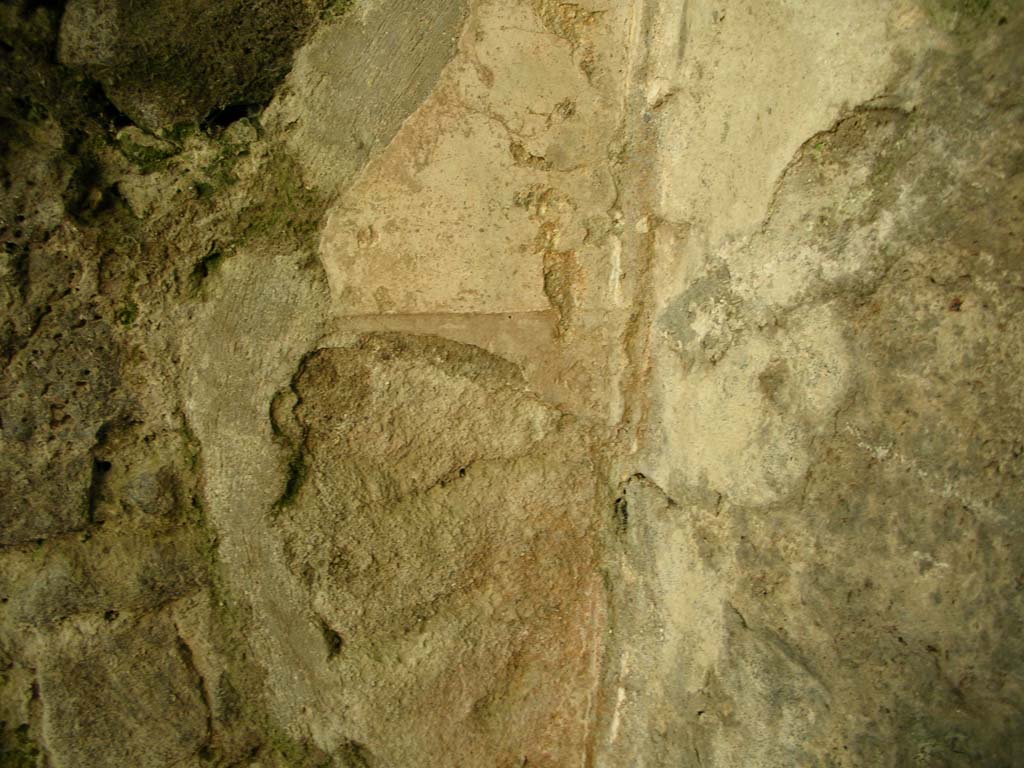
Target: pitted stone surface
399,383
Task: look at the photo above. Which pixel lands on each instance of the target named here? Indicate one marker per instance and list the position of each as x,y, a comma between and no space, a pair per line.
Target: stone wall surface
504,383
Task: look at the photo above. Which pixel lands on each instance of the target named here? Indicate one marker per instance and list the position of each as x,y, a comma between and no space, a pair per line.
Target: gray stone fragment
164,62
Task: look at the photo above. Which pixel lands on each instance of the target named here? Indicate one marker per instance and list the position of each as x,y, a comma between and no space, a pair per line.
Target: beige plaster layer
530,384
736,93
496,200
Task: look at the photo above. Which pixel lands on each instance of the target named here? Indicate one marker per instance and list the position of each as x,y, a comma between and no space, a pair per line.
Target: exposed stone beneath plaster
529,383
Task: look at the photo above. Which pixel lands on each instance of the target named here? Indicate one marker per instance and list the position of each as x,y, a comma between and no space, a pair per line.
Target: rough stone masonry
507,383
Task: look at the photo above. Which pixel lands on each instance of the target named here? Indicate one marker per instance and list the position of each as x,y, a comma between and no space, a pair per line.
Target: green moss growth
179,133
284,210
291,752
17,750
147,156
353,755
32,110
952,14
334,9
221,171
971,8
128,313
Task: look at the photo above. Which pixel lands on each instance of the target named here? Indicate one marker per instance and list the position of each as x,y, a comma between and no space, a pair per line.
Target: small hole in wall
621,509
332,639
219,119
110,615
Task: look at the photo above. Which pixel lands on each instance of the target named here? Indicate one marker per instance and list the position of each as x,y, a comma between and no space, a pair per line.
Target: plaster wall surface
529,383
